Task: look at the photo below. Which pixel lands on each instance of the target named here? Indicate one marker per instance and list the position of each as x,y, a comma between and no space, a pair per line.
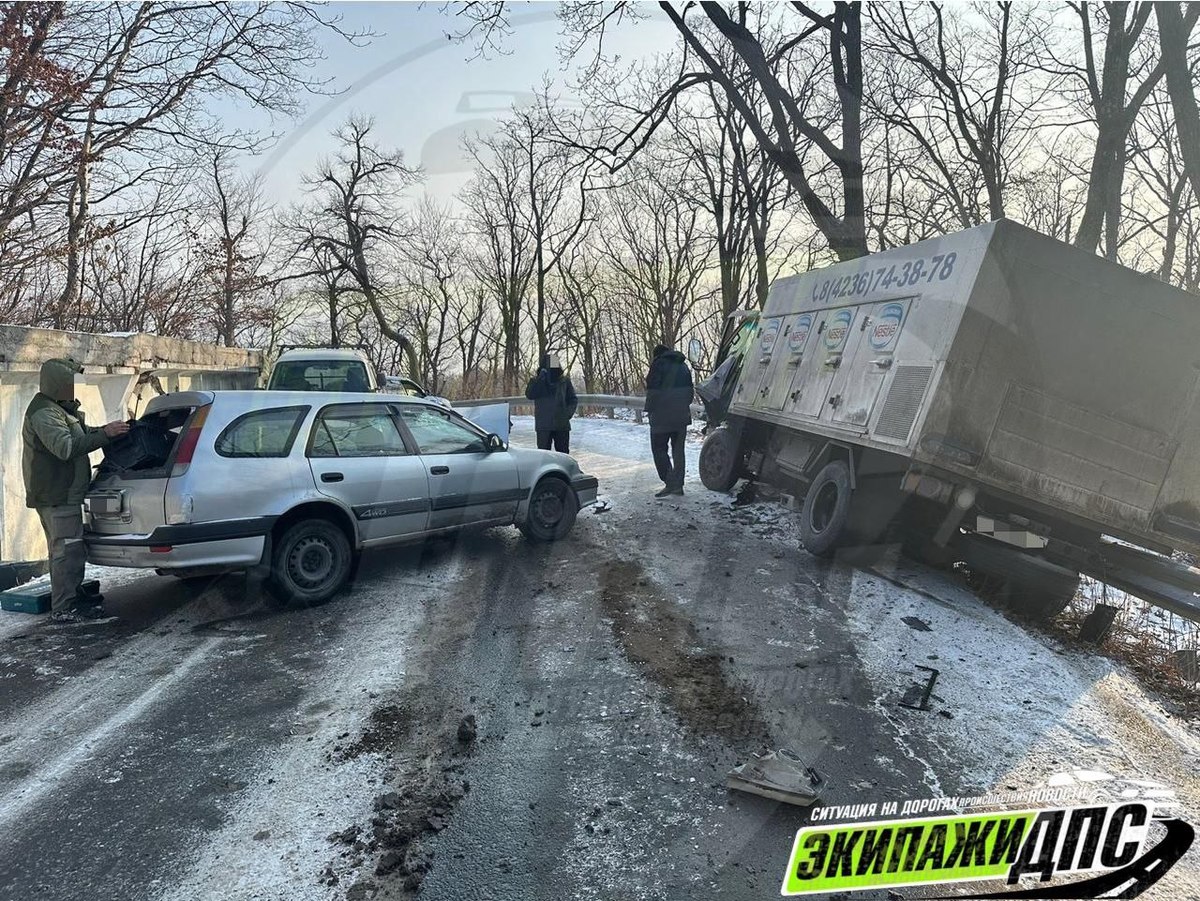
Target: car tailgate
132,501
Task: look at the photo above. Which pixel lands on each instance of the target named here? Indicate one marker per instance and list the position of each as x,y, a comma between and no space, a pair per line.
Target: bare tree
141,91
503,256
1110,84
232,244
1174,29
659,247
354,218
966,106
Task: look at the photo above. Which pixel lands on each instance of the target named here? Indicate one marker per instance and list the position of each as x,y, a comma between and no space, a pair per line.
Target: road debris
916,623
467,729
916,691
779,775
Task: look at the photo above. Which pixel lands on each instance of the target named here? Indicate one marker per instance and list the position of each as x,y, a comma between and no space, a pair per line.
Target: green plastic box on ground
34,597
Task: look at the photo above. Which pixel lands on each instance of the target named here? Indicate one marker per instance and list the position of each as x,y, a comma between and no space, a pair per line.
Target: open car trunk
129,488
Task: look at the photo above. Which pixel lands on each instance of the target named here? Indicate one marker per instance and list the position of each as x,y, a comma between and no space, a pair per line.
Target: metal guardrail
624,401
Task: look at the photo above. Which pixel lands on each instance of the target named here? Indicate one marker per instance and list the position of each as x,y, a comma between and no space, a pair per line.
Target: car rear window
263,433
319,375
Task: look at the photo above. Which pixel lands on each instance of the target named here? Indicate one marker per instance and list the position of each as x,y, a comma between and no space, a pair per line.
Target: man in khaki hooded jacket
57,474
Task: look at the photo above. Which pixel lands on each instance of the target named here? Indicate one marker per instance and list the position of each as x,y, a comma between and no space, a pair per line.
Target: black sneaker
678,491
65,616
663,492
86,609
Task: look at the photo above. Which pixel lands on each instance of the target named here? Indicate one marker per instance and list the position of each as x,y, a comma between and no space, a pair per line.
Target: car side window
262,433
439,432
356,432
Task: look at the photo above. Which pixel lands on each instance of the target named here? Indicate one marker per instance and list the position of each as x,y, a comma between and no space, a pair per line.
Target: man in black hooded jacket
554,404
669,406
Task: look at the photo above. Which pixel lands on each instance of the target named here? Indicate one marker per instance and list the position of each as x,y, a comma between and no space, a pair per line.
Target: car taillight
190,438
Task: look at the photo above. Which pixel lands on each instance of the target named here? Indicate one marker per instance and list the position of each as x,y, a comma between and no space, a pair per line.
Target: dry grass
1143,638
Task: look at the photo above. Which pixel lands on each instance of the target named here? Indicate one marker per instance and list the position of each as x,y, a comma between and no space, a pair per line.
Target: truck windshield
319,375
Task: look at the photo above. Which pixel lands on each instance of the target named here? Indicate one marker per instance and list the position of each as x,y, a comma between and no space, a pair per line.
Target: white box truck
993,396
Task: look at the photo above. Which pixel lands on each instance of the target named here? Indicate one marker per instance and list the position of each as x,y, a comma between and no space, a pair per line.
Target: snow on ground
1013,707
275,840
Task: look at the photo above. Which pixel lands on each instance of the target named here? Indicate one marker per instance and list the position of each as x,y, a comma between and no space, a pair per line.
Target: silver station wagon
299,484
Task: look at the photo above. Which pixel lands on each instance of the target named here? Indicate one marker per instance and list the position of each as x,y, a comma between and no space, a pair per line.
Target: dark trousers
560,438
670,469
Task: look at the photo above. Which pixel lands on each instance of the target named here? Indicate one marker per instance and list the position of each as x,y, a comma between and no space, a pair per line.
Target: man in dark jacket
57,474
554,403
669,406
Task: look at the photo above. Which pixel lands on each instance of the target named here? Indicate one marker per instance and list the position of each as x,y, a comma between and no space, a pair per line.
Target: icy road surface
208,746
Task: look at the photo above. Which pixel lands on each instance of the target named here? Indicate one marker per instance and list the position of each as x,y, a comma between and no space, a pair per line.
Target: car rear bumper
586,488
230,544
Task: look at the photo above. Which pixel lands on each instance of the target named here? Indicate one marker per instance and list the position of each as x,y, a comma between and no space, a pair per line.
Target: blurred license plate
104,504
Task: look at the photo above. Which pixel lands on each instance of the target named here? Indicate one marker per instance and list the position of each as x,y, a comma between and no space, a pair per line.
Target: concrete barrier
122,372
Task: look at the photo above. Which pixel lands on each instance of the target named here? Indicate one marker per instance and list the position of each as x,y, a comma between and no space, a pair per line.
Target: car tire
552,510
825,513
719,460
311,561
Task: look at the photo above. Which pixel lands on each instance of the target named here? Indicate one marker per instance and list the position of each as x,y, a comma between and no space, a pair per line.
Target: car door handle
332,477
439,470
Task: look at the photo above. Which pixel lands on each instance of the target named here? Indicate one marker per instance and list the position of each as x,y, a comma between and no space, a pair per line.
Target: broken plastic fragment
779,775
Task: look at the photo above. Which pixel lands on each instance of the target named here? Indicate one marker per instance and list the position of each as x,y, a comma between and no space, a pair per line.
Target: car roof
265,400
322,353
323,398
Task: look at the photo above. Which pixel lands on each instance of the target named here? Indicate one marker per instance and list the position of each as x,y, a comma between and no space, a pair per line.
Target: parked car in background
323,369
299,484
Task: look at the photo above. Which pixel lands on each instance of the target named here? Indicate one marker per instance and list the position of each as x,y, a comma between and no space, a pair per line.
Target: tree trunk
1173,31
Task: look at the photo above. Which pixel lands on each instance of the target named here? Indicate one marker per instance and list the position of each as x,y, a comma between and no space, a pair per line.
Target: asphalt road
208,745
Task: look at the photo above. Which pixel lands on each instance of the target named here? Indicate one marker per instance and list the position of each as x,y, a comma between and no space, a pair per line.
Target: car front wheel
311,562
552,510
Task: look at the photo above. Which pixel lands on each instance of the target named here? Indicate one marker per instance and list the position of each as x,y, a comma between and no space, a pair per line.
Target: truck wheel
825,512
311,562
552,510
719,460
1034,588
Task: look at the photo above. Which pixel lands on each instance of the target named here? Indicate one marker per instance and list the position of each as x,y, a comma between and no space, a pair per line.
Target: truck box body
1004,359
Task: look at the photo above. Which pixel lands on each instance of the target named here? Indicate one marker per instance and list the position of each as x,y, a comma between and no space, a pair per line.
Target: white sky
421,88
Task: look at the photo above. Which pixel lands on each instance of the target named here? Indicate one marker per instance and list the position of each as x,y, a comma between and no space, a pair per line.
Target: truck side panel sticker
887,326
837,328
798,336
766,341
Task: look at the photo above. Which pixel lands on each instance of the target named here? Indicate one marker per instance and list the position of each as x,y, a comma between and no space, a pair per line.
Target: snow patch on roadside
1021,708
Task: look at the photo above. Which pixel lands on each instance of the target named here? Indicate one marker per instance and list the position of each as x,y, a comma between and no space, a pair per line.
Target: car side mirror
695,352
494,443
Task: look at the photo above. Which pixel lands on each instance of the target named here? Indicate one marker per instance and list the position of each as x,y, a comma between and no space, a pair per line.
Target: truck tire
1034,588
310,562
719,460
825,513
